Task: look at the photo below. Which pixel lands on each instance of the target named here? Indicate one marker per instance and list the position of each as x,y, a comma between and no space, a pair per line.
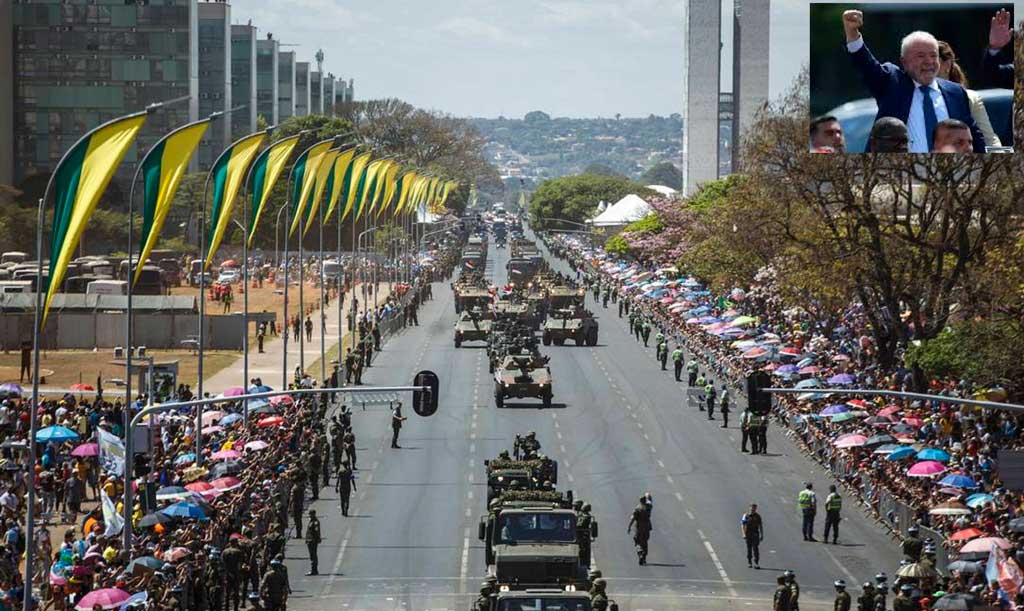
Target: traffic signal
759,401
424,402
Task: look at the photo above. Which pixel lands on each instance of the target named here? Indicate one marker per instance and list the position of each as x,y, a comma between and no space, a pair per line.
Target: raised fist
853,21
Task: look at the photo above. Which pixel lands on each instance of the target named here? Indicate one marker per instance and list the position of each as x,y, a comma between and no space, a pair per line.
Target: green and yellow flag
368,186
162,170
356,177
387,188
339,178
323,176
404,187
78,182
304,179
227,175
267,168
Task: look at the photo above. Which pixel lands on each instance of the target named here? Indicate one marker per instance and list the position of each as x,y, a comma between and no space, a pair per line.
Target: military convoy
474,325
522,376
565,324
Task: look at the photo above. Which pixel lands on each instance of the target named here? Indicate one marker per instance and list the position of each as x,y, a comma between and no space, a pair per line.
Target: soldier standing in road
794,591
632,322
309,329
313,464
842,602
213,580
350,365
833,503
345,483
396,424
313,540
642,519
298,492
645,331
752,530
622,302
780,602
677,362
350,448
912,545
808,504
691,369
903,600
599,599
880,591
723,406
233,559
583,532
274,587
761,431
483,602
663,353
709,398
866,601
745,429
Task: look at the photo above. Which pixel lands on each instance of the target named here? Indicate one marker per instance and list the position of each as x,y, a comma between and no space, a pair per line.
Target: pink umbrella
889,410
984,544
225,455
175,554
282,399
86,449
200,487
108,598
693,321
211,417
850,441
913,421
951,491
810,369
667,300
790,351
755,353
858,403
56,579
210,430
234,391
226,483
257,445
840,357
926,468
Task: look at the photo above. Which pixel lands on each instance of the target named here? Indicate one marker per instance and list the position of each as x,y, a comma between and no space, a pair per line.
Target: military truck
570,323
542,599
474,325
531,539
473,298
521,376
508,337
522,312
528,474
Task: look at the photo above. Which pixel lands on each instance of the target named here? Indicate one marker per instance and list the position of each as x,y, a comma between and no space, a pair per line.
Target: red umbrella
858,403
281,399
966,534
913,421
271,421
226,483
790,351
81,387
201,487
889,410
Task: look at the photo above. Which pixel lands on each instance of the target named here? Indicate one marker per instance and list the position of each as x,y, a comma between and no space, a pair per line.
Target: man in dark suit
997,62
913,93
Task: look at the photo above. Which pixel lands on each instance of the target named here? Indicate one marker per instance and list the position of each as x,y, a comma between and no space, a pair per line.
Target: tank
574,324
523,376
473,326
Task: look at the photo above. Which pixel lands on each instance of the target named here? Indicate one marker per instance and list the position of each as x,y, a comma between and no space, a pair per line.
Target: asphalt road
618,428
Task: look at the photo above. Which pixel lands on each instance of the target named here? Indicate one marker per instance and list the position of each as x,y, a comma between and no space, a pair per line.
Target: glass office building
267,79
243,79
78,65
285,84
214,78
302,89
316,93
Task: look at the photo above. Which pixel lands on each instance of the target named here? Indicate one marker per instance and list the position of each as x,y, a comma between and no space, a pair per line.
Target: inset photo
912,78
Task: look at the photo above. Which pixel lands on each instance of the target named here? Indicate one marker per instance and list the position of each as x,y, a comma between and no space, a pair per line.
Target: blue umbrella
258,403
808,383
958,480
184,509
230,419
900,454
834,409
55,433
841,379
887,448
786,370
185,458
977,500
169,493
804,362
260,388
933,454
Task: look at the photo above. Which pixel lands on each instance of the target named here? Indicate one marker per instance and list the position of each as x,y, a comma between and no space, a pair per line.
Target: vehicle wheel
560,341
458,342
546,339
580,339
547,400
592,337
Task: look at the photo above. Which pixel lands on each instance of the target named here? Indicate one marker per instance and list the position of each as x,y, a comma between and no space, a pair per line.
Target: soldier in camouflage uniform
274,587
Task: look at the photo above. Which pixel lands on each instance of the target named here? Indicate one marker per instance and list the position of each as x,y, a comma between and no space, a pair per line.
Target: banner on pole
111,452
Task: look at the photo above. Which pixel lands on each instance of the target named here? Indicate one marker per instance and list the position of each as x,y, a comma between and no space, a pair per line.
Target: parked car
229,275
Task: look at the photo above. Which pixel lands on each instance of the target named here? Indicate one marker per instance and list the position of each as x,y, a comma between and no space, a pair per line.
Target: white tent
626,210
666,191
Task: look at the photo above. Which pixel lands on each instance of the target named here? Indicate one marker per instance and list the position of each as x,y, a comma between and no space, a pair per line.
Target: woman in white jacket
951,71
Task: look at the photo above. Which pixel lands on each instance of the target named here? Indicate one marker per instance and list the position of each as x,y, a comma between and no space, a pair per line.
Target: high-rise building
329,95
7,93
78,65
267,79
285,85
316,93
302,97
214,78
243,79
702,83
749,67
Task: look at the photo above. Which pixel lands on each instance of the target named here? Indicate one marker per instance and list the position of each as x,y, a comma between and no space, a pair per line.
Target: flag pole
323,305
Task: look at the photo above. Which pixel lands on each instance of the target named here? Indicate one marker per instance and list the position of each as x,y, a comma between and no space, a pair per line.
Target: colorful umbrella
175,554
257,445
790,351
878,421
11,388
808,383
201,487
889,410
978,500
225,455
145,563
226,483
271,421
754,353
887,449
282,400
901,453
55,433
926,468
86,449
858,403
933,454
841,379
81,387
172,493
210,430
958,480
879,439
951,508
230,419
850,441
809,370
234,391
840,357
834,409
107,598
914,422
843,417
786,370
185,458
966,534
984,544
184,510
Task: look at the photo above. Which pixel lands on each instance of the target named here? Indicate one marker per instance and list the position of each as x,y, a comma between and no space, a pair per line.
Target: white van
107,287
15,286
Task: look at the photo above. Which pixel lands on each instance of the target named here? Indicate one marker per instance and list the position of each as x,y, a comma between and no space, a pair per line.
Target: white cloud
474,29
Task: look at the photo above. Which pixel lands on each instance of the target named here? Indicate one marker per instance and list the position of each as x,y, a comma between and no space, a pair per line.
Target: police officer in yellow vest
677,363
808,504
709,397
833,503
692,370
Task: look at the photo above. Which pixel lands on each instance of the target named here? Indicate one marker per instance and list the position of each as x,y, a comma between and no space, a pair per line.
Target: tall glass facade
79,65
214,78
301,89
243,79
329,95
267,80
316,93
285,84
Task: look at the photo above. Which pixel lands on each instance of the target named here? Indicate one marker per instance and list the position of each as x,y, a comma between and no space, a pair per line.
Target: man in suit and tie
997,62
912,93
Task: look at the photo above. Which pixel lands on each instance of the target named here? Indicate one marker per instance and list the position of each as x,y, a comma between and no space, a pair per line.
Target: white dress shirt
915,122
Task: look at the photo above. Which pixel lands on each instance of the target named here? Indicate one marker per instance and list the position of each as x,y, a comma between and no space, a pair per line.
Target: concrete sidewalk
267,365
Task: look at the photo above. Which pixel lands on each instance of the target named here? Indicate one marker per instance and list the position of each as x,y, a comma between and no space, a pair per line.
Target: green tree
576,197
985,352
664,173
600,169
537,116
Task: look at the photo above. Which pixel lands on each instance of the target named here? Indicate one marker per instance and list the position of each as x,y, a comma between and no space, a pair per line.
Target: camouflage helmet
594,574
600,584
586,506
485,588
577,505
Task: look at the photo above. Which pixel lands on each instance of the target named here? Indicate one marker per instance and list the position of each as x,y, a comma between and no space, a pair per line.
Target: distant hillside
538,146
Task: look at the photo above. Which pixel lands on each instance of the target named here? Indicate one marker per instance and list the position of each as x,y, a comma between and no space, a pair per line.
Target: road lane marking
558,434
721,569
661,463
851,578
670,480
561,448
464,565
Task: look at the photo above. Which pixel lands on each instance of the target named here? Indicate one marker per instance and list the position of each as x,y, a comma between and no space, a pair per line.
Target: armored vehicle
570,323
543,599
473,325
522,376
471,298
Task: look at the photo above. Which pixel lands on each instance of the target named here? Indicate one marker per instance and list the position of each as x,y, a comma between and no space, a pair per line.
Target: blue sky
580,58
